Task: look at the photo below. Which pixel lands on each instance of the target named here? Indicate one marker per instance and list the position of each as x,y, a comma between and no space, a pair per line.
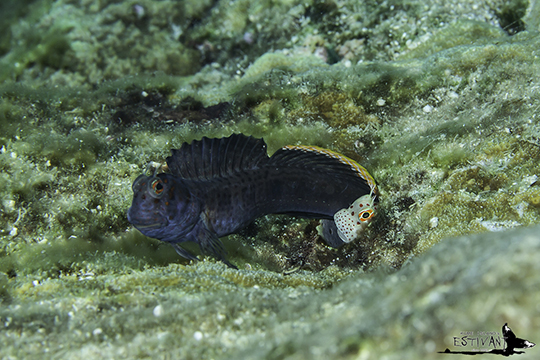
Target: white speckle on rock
13,231
9,205
453,95
158,311
430,346
494,225
521,208
197,335
530,180
433,222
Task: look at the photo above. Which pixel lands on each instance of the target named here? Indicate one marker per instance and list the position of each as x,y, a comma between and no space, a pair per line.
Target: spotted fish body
218,186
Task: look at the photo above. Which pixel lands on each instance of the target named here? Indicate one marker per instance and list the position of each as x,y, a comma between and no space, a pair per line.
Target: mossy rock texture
438,100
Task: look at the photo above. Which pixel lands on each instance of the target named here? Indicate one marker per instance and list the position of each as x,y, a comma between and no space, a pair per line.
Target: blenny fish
218,186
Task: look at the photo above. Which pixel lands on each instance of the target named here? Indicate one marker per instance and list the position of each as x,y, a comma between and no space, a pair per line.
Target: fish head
161,207
353,220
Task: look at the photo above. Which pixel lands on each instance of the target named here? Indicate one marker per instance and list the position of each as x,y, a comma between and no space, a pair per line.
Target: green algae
31,46
440,109
276,61
462,32
207,310
348,109
320,99
69,53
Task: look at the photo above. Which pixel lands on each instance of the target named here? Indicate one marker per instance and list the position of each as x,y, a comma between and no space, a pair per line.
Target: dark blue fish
218,186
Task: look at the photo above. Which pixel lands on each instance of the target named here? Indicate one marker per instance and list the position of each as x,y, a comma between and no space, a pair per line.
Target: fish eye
157,188
365,215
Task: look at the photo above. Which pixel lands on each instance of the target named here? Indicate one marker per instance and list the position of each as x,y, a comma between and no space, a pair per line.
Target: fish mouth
145,223
148,226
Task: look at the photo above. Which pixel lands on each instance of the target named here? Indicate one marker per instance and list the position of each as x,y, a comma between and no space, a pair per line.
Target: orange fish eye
157,186
365,215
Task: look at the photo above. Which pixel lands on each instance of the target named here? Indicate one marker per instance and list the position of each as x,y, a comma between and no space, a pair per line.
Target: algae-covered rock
270,61
437,99
474,283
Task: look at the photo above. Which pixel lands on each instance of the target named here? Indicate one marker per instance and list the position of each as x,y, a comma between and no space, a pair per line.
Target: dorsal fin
212,158
324,160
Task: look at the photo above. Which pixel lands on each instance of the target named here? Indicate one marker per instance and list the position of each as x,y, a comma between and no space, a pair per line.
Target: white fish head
352,221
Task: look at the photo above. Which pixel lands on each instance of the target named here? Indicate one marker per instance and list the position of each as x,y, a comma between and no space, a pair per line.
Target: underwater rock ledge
476,282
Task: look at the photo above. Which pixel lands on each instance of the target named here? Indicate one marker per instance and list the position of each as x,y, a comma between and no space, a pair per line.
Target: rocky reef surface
437,99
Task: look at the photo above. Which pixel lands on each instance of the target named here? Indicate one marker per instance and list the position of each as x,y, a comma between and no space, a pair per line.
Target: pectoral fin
183,252
330,233
209,241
